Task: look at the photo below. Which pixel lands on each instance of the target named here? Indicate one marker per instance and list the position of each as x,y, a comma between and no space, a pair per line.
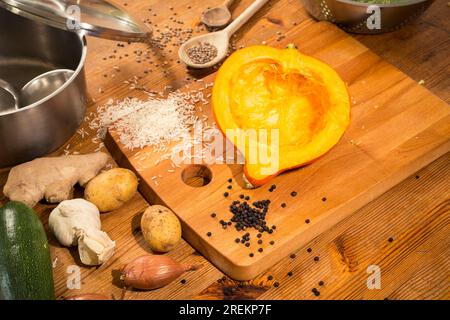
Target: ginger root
52,178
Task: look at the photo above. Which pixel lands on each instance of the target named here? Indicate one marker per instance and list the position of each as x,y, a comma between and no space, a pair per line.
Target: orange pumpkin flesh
259,89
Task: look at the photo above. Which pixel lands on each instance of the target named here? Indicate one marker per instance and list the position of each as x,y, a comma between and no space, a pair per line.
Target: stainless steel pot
40,36
27,49
352,16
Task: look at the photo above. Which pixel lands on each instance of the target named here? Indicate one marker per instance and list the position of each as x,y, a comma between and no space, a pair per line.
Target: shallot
153,271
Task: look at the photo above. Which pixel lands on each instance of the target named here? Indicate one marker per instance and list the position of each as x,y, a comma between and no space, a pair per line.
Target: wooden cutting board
397,128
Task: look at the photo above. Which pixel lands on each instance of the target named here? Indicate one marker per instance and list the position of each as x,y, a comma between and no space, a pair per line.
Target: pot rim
77,71
385,5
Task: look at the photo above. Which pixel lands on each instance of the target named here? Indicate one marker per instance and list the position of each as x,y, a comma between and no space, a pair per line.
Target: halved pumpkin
281,109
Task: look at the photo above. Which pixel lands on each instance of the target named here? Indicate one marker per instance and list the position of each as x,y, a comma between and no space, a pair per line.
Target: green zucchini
25,263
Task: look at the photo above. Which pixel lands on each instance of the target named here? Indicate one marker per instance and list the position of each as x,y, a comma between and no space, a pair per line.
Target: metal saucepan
352,16
37,38
27,49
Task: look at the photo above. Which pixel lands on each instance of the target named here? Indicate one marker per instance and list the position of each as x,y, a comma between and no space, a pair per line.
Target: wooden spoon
219,39
218,17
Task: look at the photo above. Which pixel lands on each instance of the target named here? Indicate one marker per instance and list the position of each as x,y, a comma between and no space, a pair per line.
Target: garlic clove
94,246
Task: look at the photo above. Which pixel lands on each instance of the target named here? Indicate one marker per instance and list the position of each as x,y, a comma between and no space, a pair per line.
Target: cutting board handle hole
196,175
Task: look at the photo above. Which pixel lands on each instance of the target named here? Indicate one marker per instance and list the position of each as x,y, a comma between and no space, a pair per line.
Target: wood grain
365,163
403,210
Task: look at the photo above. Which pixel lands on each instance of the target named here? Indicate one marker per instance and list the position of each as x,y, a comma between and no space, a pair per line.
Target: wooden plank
365,162
410,200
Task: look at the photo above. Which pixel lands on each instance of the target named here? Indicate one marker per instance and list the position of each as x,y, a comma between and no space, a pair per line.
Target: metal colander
352,16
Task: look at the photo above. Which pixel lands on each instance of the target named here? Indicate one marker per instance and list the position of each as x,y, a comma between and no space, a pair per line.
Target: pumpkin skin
260,88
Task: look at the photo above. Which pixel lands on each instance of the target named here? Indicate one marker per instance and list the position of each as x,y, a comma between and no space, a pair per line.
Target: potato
111,189
161,228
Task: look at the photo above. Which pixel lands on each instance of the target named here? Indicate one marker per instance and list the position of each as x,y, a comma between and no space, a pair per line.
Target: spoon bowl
43,85
216,17
219,39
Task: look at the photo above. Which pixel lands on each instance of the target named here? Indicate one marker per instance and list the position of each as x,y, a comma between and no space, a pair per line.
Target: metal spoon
219,39
217,17
9,99
44,85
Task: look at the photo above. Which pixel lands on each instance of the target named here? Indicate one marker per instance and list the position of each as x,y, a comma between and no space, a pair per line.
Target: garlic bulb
70,214
94,246
77,222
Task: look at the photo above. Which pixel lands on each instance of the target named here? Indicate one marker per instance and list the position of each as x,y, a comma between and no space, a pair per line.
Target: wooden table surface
405,232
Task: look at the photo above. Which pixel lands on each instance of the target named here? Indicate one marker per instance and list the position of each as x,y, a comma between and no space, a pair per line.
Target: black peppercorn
213,215
316,259
260,241
260,249
290,273
230,180
324,199
230,187
270,278
226,194
321,283
251,255
183,281
237,240
209,234
292,256
276,284
307,221
272,242
247,244
294,193
283,205
241,196
309,250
